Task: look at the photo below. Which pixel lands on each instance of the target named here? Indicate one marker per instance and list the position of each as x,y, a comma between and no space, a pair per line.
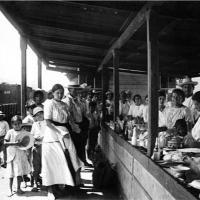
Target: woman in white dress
136,109
55,169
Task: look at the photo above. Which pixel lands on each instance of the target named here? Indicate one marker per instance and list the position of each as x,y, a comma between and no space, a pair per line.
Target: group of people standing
180,106
62,127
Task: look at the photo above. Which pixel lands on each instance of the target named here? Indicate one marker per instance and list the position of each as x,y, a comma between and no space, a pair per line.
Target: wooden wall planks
139,176
151,185
138,191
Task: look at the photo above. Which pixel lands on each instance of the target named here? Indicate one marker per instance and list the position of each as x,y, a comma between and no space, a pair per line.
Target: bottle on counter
126,132
134,136
156,151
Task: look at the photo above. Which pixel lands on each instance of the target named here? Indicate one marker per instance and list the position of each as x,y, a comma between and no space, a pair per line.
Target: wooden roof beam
133,71
54,45
71,63
73,27
75,60
97,7
71,56
135,24
62,70
69,53
66,70
66,41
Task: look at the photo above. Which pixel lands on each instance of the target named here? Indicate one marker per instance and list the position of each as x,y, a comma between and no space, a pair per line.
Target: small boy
37,131
4,127
94,128
29,113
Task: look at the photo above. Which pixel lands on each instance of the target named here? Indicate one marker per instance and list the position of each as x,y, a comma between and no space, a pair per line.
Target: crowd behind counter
173,171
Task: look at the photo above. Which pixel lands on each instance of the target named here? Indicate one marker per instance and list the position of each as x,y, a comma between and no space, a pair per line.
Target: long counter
140,177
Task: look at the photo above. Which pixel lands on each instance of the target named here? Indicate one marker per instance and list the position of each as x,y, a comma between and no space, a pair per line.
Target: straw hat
96,92
30,104
109,92
74,86
85,87
37,110
187,81
26,139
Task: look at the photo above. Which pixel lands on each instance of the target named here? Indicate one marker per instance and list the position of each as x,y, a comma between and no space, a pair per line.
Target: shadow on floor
88,193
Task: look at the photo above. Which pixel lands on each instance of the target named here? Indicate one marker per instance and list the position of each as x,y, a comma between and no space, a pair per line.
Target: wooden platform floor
83,193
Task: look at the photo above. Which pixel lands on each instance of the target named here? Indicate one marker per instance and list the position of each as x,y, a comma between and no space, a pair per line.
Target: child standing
17,161
38,132
94,128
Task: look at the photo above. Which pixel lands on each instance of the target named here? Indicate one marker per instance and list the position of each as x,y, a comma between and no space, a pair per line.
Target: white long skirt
67,143
76,162
55,169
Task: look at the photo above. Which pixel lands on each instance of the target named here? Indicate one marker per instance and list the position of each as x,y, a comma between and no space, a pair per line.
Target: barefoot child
17,161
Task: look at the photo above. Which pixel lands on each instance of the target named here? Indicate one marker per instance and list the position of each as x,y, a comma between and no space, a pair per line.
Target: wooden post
94,82
23,46
78,76
39,73
116,82
153,83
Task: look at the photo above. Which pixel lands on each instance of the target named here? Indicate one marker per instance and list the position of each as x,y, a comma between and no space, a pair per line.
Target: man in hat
80,124
187,86
4,127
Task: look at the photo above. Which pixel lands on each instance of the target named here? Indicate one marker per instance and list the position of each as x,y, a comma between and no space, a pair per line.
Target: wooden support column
23,46
78,76
116,82
94,82
153,84
39,73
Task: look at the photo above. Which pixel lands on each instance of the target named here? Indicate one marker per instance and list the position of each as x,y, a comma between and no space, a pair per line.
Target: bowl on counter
195,184
180,168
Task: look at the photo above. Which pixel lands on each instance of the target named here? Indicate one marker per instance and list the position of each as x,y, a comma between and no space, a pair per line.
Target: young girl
37,131
17,161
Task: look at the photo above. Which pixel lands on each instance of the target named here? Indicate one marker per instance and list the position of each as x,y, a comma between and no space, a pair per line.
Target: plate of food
195,184
189,150
180,168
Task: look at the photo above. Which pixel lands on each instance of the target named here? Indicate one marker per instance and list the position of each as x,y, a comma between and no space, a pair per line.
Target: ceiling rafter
135,24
